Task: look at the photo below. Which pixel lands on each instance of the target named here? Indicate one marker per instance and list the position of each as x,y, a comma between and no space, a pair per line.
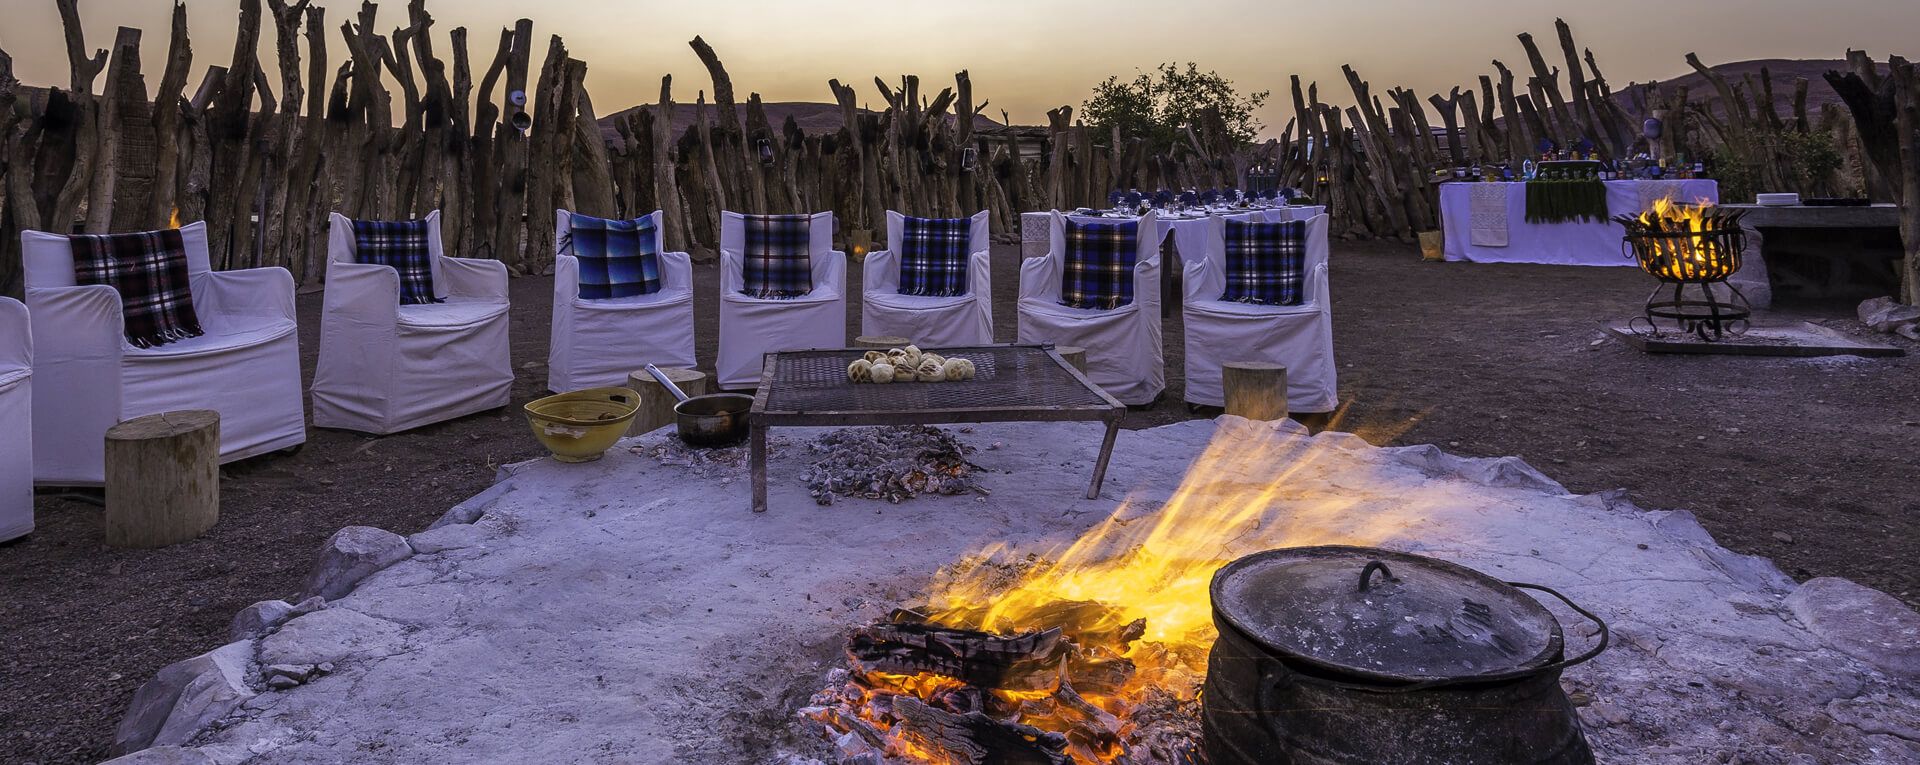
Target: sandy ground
633,610
1808,462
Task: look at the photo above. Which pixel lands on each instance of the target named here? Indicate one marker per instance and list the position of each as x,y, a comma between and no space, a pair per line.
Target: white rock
353,554
256,620
162,755
335,634
184,697
449,537
1886,315
1861,622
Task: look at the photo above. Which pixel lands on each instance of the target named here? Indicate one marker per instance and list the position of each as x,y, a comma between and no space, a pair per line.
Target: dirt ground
1809,462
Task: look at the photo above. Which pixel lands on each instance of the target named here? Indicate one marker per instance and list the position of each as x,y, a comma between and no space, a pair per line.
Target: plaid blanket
1099,264
778,263
618,258
933,256
1266,262
401,245
149,270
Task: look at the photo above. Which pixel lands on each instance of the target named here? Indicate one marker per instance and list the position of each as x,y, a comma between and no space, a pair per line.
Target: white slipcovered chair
1298,337
931,322
246,365
751,327
1124,356
596,343
386,367
16,419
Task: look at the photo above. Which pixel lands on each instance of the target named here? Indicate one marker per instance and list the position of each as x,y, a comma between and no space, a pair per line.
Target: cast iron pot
716,419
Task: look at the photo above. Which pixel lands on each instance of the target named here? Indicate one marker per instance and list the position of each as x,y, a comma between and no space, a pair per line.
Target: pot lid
1418,619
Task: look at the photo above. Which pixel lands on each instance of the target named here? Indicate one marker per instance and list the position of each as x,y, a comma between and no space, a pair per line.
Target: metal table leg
1100,465
757,450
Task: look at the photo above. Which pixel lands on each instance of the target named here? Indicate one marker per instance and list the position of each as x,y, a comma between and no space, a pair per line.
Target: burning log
977,739
1020,662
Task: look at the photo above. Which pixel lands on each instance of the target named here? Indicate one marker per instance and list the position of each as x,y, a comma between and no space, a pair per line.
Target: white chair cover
386,367
1299,338
246,366
1123,345
16,419
596,343
931,322
751,327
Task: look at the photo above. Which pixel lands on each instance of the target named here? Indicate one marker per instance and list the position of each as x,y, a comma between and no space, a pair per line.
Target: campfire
1696,245
1090,654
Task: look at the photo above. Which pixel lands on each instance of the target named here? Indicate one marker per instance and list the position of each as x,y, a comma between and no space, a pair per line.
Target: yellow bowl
582,425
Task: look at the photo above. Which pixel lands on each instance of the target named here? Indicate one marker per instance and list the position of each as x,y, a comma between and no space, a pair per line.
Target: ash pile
892,463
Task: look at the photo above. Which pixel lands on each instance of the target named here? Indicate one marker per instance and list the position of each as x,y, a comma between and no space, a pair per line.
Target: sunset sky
1027,56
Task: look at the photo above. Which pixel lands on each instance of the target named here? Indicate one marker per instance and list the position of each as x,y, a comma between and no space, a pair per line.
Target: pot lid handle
1366,574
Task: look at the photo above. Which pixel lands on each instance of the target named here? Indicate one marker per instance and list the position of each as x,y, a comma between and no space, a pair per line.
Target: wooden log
163,478
1255,390
656,402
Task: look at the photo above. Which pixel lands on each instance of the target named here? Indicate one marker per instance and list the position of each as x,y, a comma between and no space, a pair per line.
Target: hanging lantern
969,159
766,151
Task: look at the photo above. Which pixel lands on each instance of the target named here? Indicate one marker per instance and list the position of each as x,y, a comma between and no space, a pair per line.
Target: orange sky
1027,56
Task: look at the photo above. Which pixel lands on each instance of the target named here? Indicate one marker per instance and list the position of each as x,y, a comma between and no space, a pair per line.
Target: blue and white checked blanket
618,258
933,256
778,262
1266,262
1099,263
401,245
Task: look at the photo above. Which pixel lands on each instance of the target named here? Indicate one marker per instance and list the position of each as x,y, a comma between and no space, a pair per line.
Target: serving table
1487,222
1011,383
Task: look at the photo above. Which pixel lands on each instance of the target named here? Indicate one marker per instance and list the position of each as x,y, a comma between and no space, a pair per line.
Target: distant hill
813,118
1784,71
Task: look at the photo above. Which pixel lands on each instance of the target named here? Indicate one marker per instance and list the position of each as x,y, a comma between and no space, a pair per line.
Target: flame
173,218
1697,255
1239,496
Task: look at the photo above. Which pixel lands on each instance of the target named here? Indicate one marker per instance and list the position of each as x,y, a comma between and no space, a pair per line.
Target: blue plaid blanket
778,261
933,256
1266,262
618,258
401,245
1099,264
149,270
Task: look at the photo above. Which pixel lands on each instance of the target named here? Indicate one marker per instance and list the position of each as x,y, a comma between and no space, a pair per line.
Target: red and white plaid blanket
149,270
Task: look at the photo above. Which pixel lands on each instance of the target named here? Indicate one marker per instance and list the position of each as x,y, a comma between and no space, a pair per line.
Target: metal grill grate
1005,377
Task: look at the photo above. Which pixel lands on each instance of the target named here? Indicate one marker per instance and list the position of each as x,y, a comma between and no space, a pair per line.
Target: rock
299,672
328,636
1885,315
163,755
1608,714
258,619
280,683
475,506
184,697
1783,537
308,606
1861,622
449,537
352,554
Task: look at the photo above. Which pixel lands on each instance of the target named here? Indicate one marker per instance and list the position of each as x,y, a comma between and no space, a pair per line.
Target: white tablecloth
1566,244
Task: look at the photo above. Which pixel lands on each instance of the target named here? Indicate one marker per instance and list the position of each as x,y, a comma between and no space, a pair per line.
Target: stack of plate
1779,200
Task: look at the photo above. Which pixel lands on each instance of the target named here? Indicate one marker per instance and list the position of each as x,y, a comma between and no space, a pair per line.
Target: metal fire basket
1694,259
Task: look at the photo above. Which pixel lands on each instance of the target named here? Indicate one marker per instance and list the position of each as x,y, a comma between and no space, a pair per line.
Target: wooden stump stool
881,342
163,478
656,403
1073,354
1255,390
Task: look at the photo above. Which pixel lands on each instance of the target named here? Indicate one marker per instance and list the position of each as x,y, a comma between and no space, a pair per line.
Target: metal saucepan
716,419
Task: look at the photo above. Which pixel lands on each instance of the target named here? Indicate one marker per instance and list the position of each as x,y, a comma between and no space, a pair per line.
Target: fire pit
1684,246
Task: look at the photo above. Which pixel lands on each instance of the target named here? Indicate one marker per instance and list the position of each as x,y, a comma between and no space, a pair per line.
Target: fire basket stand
1697,247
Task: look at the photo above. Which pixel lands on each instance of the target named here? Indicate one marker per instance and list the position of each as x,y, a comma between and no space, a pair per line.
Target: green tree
1156,105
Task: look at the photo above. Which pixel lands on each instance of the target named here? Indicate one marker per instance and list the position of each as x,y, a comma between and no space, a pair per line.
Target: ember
891,463
1099,648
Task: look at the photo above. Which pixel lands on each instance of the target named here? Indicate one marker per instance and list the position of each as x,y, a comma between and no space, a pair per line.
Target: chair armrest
475,277
16,335
77,323
832,273
363,293
1040,278
252,292
1317,291
880,273
566,280
980,276
676,271
1194,286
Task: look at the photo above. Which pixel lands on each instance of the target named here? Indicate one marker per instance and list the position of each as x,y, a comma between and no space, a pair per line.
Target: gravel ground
1810,462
